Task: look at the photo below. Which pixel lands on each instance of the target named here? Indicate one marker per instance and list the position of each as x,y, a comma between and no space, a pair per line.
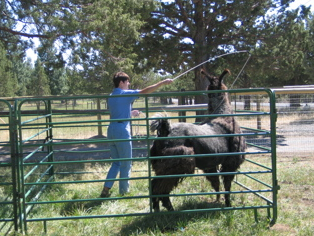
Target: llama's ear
226,71
208,76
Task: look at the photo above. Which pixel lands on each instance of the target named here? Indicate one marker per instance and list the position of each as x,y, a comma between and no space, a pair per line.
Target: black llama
170,167
218,104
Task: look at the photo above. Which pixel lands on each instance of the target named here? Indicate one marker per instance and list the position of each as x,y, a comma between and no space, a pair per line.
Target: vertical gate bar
256,215
148,156
273,116
269,213
20,179
49,127
45,226
14,159
99,117
258,108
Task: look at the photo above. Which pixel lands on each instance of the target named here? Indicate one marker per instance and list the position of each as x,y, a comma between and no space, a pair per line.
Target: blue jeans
120,150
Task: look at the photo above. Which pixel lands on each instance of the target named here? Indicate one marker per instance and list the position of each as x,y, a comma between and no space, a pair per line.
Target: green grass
295,215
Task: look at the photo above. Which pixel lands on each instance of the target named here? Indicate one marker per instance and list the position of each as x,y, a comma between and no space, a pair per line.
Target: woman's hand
135,113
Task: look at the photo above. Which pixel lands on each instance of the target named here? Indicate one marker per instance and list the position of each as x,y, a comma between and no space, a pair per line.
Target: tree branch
23,34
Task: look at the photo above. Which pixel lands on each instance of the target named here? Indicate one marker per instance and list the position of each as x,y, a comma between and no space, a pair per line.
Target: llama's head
215,82
161,125
218,102
163,128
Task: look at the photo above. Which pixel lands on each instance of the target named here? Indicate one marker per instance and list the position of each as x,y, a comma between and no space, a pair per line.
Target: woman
120,108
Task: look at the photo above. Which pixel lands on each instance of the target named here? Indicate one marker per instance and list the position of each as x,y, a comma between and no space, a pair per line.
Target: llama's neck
219,104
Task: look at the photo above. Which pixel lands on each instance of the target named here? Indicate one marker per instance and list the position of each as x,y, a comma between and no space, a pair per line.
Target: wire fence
295,121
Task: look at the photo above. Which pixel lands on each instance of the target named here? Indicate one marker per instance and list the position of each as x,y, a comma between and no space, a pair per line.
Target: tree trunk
247,102
200,56
294,99
182,102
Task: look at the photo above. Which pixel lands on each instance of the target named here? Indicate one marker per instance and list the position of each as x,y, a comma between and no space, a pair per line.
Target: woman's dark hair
119,76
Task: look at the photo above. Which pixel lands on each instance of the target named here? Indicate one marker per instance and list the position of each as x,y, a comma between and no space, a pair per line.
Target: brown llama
218,104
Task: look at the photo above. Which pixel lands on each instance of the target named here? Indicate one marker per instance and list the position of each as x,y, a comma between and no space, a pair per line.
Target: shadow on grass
171,222
71,208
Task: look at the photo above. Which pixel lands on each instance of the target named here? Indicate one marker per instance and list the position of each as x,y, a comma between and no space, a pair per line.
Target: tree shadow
265,141
302,121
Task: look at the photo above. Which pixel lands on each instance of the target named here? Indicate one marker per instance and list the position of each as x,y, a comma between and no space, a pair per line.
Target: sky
297,3
31,54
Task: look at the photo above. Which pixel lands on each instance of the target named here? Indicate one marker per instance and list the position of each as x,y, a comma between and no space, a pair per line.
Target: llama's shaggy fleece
170,167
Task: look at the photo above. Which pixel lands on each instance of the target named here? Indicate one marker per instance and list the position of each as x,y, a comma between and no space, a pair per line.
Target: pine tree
39,82
284,54
97,38
8,81
186,33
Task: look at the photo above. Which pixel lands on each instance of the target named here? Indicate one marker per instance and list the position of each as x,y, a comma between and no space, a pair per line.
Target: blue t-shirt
120,107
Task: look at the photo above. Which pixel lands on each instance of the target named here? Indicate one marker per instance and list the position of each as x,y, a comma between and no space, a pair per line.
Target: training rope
210,59
241,71
137,125
2,121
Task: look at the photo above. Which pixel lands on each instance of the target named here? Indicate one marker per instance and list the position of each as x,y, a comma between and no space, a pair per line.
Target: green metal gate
54,138
8,169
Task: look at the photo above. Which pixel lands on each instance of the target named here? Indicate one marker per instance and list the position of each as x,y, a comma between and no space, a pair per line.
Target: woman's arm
154,87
